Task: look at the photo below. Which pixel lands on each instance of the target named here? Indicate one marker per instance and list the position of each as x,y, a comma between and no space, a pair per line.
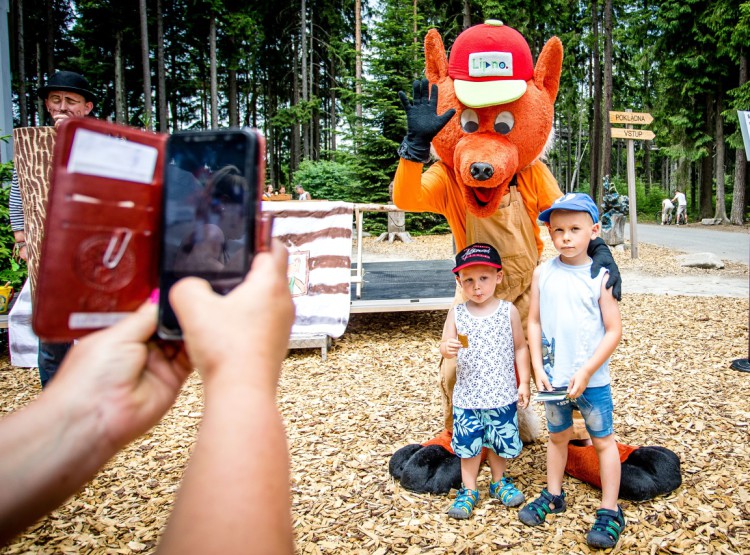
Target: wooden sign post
630,118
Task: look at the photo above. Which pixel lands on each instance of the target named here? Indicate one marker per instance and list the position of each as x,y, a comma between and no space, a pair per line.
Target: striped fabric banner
318,235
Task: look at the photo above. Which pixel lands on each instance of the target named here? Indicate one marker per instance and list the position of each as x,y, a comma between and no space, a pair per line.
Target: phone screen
209,212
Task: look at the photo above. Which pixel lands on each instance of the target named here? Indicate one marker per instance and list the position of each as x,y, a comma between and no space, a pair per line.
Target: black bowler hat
67,81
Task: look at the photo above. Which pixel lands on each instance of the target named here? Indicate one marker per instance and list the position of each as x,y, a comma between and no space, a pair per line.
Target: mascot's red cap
490,64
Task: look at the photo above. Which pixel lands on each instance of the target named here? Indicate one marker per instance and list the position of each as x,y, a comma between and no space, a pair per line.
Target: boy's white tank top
572,325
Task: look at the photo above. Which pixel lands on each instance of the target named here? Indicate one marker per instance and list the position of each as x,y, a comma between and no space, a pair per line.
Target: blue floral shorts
494,428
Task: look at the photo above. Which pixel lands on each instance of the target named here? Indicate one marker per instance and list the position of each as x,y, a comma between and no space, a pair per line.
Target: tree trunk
120,116
294,162
147,123
607,133
647,165
214,81
466,12
415,31
161,86
721,210
304,76
596,132
39,79
740,165
358,65
332,116
50,10
23,111
706,182
234,116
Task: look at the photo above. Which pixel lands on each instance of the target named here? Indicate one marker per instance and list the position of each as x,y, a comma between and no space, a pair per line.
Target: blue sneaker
536,512
505,491
605,532
466,500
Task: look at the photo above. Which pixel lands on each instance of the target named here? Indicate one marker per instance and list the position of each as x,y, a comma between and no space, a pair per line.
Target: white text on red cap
491,64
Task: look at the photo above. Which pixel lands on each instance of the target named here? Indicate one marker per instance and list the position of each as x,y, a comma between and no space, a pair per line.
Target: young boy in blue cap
576,320
486,335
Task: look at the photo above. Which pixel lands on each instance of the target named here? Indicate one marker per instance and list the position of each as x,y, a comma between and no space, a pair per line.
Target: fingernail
154,297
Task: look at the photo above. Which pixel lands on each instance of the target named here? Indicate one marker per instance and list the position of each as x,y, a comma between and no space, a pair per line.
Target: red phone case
99,255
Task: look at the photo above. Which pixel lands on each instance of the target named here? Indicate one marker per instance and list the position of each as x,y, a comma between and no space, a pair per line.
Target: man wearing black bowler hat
66,95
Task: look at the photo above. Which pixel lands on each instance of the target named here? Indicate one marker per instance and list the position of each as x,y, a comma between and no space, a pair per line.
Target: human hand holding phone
232,338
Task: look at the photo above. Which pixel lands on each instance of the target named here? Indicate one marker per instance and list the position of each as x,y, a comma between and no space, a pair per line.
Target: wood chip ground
377,392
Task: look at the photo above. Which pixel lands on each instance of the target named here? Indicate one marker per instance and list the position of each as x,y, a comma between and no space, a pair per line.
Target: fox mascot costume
488,113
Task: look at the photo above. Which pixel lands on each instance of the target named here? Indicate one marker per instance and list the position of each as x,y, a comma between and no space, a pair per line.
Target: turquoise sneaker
605,532
463,505
505,491
536,512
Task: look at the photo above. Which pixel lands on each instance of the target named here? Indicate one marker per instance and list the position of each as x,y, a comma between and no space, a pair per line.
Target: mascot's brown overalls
489,182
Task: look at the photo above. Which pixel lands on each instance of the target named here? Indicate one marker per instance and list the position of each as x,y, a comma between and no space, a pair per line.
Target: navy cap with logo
478,254
575,202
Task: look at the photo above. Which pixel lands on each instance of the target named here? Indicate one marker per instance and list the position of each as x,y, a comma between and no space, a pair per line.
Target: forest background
320,80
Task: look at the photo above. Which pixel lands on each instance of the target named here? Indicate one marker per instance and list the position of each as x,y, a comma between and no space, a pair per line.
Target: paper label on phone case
105,156
94,320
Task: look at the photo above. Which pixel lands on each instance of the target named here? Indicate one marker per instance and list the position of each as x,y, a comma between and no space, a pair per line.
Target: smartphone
213,182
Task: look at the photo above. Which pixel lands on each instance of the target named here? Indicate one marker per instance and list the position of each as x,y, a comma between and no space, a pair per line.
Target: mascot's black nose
481,171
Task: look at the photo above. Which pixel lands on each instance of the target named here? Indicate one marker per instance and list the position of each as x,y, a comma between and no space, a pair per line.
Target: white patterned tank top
485,374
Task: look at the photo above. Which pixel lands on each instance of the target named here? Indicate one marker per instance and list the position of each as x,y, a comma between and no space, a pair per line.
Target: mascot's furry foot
646,471
433,468
426,468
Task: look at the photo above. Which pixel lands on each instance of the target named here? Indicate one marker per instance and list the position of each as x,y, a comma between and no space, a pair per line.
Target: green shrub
10,270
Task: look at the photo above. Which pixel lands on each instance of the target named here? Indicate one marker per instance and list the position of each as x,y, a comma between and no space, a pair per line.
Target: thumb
446,117
188,298
137,326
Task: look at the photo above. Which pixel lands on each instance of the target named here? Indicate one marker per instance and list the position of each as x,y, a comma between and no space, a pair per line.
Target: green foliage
10,270
328,180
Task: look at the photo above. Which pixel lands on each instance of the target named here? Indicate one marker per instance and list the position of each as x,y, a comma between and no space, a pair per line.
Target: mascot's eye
504,123
469,121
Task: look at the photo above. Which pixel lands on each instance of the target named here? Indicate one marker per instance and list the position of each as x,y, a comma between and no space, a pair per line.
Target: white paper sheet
105,156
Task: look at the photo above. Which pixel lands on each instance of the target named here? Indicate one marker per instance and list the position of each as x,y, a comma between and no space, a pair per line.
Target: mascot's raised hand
422,121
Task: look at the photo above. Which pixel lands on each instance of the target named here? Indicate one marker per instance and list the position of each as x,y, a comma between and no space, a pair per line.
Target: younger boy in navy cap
486,335
574,327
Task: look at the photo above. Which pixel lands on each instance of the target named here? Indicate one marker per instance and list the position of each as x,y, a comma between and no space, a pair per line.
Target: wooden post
631,197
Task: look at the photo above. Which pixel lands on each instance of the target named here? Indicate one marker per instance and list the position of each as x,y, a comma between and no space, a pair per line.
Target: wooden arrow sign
633,118
637,134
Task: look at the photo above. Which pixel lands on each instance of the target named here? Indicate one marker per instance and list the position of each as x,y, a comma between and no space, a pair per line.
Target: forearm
535,349
49,450
605,349
523,366
235,495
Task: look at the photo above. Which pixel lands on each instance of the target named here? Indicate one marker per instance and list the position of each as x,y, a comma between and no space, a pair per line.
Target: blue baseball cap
575,202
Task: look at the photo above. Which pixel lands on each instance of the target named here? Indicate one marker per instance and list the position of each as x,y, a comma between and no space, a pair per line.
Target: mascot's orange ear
435,58
548,68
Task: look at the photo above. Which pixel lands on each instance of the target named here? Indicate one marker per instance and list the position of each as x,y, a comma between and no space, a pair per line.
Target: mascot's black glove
422,122
602,258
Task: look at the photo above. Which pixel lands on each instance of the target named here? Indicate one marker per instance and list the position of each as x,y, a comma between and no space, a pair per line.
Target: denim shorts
494,428
595,405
